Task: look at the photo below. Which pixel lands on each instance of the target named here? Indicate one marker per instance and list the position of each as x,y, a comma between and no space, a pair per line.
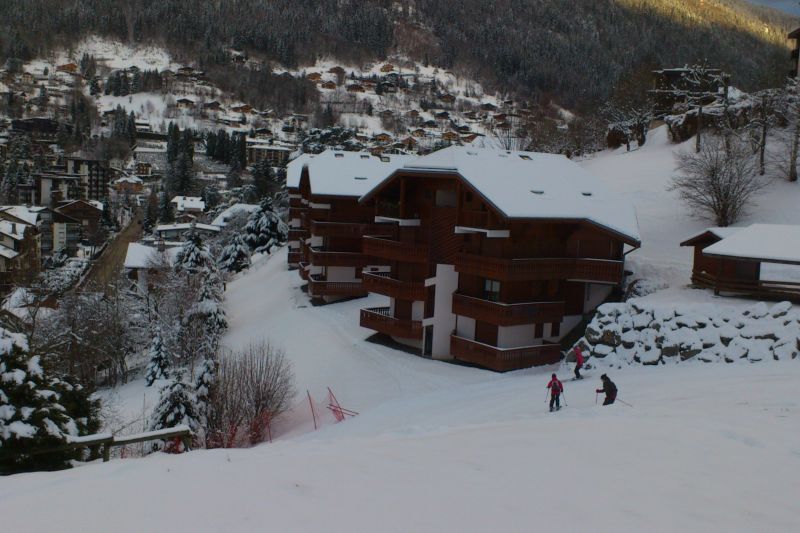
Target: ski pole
623,402
565,398
595,398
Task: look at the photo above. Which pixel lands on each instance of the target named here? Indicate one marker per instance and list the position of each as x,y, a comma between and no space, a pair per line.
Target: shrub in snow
235,257
265,230
634,333
38,411
177,405
159,360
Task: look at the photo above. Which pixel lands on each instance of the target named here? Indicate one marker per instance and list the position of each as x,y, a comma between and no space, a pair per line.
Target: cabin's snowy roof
143,256
295,169
7,252
337,173
716,230
531,185
771,243
188,202
221,220
14,230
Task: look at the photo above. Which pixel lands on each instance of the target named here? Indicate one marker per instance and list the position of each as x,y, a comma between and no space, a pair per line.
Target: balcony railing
503,314
321,257
381,320
503,359
295,202
348,230
319,287
294,258
309,215
384,283
395,250
296,212
597,270
303,270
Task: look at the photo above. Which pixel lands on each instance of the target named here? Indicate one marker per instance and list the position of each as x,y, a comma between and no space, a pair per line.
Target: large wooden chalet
487,257
328,221
760,261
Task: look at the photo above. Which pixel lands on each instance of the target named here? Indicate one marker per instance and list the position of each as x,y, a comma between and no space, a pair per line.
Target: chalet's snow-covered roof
7,252
336,173
221,220
27,214
188,202
129,179
142,256
776,243
186,226
295,169
531,185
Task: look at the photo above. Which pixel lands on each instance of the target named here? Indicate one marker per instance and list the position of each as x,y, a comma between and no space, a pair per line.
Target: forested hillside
528,47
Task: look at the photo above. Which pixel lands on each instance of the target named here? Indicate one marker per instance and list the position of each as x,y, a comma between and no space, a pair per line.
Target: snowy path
326,345
705,448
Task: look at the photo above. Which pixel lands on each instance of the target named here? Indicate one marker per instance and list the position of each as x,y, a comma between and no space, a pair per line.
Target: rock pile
634,332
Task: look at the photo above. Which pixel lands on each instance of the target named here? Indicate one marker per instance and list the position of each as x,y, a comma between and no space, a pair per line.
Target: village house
129,185
795,53
681,86
142,261
355,88
184,103
497,255
177,232
277,155
89,215
50,188
314,76
387,67
760,261
189,204
328,85
19,253
57,232
70,68
332,221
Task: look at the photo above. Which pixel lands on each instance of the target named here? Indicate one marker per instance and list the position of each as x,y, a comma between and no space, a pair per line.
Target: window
491,290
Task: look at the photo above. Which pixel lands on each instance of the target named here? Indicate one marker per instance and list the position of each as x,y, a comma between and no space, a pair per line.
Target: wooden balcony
295,202
309,215
298,234
383,283
380,319
351,230
503,359
303,270
594,270
503,314
294,258
395,250
319,287
321,257
296,212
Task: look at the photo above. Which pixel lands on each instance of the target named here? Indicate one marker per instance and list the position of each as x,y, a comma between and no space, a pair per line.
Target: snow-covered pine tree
37,410
235,257
194,256
265,229
208,308
165,212
204,384
177,405
159,360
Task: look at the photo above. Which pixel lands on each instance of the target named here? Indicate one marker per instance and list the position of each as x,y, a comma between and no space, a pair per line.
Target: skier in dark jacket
578,362
609,389
556,388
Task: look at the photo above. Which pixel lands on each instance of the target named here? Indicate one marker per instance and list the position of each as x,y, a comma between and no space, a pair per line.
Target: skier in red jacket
556,388
578,362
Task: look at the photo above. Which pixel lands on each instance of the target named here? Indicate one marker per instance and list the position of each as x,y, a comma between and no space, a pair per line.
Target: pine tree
234,177
265,229
262,177
165,210
208,309
38,410
235,257
204,386
193,257
177,405
159,363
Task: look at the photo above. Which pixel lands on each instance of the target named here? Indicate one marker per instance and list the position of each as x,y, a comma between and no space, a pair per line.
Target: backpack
555,387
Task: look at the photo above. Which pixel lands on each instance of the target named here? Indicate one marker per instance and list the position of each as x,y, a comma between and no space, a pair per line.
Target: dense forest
529,47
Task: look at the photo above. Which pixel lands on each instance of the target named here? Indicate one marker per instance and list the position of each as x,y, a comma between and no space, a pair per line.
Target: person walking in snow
578,362
556,388
609,389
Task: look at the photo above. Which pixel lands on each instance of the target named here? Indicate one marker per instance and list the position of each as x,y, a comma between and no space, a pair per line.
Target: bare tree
718,182
253,386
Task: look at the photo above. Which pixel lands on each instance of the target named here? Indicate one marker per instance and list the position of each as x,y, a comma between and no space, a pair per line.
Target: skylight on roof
472,153
385,158
360,177
537,191
525,157
364,156
586,193
338,155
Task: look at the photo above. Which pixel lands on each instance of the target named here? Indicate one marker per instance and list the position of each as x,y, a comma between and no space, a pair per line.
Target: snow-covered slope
704,448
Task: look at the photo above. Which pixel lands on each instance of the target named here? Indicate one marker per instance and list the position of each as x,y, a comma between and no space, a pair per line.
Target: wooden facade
509,284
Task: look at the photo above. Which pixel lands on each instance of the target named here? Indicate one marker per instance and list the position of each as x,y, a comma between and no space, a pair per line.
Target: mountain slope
528,47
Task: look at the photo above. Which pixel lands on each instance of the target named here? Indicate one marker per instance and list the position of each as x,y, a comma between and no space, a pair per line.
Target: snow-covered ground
704,448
